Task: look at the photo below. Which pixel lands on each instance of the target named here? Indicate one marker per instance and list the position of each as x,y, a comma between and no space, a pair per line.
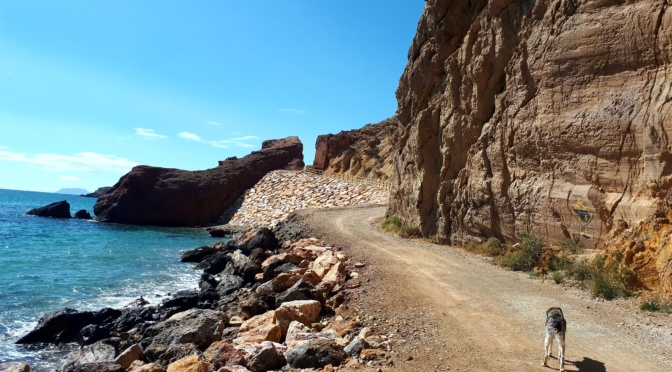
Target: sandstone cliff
551,117
366,152
174,197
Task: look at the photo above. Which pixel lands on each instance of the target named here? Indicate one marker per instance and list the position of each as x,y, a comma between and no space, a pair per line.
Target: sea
47,264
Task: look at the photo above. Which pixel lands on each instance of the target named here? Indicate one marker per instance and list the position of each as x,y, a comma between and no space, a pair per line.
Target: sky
89,89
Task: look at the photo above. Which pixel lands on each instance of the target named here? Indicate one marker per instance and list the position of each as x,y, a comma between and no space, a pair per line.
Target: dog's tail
557,326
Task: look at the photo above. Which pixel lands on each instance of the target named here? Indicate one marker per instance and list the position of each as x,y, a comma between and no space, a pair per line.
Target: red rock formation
173,197
365,152
549,117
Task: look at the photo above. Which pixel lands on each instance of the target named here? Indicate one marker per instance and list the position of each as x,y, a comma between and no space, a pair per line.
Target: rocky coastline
265,301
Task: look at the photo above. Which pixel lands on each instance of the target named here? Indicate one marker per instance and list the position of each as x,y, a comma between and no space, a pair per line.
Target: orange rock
189,364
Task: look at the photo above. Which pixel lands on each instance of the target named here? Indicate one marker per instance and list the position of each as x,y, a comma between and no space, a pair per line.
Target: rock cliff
367,152
550,117
173,197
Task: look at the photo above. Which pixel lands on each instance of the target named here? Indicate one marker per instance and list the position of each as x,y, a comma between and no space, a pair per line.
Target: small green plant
533,274
580,271
569,245
395,225
392,224
527,257
560,263
373,151
649,306
558,277
656,305
608,280
409,231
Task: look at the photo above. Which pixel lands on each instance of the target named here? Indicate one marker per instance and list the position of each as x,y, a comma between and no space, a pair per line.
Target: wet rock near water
83,214
59,209
260,305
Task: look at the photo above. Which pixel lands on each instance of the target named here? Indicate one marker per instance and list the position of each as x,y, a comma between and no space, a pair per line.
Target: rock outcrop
367,152
55,210
549,117
173,197
98,193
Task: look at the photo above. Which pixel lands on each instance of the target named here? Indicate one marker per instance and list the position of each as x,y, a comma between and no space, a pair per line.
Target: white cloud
3,147
212,123
223,144
68,178
148,133
190,136
80,162
293,111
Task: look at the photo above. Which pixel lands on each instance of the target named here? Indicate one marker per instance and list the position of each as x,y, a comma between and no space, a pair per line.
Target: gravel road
448,310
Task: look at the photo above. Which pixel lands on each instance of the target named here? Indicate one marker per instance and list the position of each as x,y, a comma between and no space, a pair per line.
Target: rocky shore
263,303
282,192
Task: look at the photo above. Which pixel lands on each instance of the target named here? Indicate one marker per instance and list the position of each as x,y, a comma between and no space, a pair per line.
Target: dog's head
553,310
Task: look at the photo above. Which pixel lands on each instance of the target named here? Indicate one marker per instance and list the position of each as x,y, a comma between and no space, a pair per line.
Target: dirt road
447,309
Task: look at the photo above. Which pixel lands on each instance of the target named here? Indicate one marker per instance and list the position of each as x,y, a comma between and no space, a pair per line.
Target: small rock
189,364
128,356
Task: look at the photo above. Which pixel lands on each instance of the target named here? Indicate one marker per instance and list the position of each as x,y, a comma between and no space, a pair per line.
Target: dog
556,327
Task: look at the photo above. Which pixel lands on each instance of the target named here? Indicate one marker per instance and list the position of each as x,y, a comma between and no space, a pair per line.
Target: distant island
98,193
72,191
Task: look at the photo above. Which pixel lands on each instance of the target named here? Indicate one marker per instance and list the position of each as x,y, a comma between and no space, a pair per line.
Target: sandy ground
448,310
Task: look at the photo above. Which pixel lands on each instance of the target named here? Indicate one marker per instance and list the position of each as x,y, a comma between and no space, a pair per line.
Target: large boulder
173,197
316,353
64,325
199,327
56,210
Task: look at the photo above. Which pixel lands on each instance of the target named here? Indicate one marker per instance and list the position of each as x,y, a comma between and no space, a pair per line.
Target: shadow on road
589,365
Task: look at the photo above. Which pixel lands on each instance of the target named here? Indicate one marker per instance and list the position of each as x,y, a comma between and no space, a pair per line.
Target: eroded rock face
365,152
173,197
549,117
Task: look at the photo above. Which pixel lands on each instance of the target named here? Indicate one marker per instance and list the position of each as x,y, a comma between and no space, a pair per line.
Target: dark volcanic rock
173,197
57,210
260,237
83,214
98,193
316,353
214,264
198,254
64,325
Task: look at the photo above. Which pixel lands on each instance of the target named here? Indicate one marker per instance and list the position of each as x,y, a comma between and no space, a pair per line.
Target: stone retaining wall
282,192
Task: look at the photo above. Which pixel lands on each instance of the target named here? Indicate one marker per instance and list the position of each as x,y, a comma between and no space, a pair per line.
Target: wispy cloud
148,133
190,136
68,178
80,162
213,123
293,111
225,143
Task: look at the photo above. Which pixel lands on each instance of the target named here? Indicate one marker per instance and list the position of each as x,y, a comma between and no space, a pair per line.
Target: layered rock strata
367,152
281,192
549,117
173,197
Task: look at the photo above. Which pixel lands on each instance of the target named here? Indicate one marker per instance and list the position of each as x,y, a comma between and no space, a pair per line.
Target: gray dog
556,326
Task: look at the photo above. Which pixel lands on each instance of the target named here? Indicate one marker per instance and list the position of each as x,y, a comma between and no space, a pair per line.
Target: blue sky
88,89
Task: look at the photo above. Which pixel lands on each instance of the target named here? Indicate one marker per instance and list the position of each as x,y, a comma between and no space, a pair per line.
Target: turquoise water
47,264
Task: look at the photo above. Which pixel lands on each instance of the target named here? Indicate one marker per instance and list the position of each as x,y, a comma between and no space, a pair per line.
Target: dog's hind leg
548,344
561,352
